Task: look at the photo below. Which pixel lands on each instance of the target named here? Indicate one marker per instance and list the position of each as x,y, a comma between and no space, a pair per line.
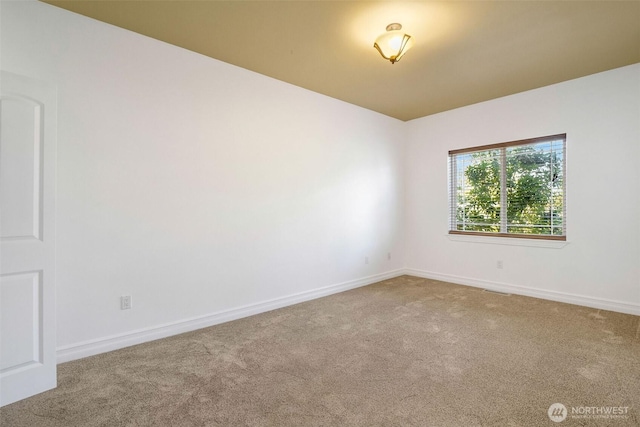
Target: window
512,189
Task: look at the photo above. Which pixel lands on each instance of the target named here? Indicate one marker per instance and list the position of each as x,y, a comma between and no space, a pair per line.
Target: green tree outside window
512,188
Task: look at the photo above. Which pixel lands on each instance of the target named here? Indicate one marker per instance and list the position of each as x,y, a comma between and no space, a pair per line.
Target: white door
27,237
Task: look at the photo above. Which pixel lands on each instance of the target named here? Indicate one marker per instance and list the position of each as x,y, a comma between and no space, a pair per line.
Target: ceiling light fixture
393,44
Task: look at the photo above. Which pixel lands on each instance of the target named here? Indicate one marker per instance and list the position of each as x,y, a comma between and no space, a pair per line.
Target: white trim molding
599,303
115,342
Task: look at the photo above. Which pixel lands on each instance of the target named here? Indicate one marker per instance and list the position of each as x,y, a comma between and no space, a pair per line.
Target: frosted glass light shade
393,44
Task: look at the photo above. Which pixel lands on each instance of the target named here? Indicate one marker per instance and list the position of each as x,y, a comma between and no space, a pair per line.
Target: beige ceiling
465,51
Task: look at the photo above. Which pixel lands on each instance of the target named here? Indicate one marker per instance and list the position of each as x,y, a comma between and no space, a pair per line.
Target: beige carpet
403,352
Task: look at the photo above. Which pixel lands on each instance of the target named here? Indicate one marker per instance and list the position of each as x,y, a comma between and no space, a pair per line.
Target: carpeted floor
403,352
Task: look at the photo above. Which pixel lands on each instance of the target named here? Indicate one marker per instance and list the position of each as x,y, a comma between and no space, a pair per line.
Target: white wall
198,187
600,265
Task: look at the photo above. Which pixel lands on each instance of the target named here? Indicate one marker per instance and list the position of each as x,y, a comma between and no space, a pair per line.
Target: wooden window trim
510,235
509,144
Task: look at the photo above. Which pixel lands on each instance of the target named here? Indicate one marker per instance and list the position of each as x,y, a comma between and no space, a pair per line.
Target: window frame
503,193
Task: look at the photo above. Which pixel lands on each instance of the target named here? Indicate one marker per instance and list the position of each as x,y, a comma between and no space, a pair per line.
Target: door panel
27,237
20,164
20,327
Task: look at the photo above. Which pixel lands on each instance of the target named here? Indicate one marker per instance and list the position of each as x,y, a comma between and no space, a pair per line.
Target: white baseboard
599,303
115,342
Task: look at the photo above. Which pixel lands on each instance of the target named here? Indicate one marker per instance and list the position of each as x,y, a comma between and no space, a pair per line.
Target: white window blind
512,189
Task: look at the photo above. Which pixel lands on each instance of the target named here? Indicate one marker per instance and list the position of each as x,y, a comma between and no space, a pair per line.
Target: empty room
319,213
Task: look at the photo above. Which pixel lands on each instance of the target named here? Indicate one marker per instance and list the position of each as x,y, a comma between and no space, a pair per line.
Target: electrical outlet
499,264
366,260
389,256
125,302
